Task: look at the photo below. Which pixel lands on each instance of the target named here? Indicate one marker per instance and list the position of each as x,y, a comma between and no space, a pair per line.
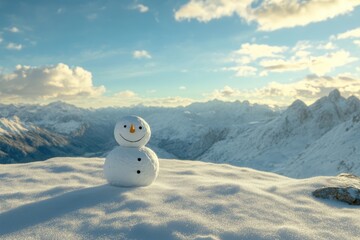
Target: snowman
131,164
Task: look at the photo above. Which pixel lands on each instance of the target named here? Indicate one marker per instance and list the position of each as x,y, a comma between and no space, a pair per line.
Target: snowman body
131,164
131,167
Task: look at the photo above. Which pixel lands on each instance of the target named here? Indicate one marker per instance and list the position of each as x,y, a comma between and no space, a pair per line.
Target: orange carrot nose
132,128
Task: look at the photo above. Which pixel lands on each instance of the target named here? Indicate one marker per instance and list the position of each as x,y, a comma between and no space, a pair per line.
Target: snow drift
68,198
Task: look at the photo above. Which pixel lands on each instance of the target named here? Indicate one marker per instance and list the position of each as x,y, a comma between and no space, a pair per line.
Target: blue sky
169,53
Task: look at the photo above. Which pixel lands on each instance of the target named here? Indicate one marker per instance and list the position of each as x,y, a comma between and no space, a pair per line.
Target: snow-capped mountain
318,139
181,132
58,117
336,151
189,132
298,135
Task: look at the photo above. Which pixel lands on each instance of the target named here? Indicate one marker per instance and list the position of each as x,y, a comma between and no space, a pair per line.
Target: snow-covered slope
58,117
336,151
298,135
67,198
19,139
13,126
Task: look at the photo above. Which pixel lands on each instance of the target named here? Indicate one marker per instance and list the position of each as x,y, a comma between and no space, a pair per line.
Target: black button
138,171
139,159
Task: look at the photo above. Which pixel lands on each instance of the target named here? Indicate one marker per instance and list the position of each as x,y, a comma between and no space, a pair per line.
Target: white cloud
319,65
142,8
207,10
266,58
139,54
281,94
255,51
225,93
327,46
277,14
302,54
324,64
1,40
167,102
48,83
134,100
126,94
264,73
182,88
354,33
250,52
302,46
73,85
14,46
242,71
281,65
269,14
13,29
357,42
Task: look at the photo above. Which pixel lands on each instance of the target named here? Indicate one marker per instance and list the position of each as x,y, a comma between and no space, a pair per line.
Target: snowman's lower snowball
131,167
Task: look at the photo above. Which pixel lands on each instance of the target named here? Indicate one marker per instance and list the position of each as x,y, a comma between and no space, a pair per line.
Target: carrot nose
132,128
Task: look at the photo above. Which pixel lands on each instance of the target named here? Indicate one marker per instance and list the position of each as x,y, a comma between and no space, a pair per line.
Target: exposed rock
350,195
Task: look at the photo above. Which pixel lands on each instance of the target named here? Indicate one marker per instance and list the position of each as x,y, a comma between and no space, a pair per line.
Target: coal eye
140,127
124,126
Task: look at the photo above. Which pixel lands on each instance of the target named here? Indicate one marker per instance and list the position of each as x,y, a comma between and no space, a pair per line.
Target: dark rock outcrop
349,195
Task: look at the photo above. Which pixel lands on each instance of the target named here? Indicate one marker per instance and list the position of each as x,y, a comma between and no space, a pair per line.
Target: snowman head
132,131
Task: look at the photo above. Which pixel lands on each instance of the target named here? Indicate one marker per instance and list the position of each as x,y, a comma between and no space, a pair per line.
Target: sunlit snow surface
67,198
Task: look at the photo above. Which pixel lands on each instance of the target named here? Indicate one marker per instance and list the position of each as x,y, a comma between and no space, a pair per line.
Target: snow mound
68,198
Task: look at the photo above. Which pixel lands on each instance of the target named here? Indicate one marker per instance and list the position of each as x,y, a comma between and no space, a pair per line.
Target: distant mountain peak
298,110
61,104
334,95
298,104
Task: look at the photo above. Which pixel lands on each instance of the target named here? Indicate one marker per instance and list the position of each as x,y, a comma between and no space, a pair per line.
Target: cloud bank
74,85
48,83
318,65
268,14
308,90
260,59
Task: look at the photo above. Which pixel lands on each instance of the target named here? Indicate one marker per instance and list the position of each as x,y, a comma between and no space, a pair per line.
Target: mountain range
300,141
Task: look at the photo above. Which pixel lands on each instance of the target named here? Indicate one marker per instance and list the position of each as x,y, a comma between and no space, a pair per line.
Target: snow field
68,198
